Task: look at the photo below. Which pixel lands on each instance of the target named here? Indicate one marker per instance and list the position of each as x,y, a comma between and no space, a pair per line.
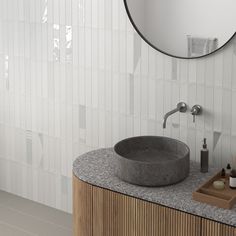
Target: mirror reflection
184,28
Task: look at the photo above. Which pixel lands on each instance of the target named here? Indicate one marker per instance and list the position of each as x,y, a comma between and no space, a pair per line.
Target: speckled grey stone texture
151,160
97,168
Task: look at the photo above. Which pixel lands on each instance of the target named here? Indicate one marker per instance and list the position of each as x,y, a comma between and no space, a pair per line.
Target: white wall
57,102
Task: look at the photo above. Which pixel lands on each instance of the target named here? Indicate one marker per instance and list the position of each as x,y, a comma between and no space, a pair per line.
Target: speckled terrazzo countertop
97,168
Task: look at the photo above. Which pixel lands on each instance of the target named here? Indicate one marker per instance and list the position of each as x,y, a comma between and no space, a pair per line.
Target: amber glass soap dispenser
204,157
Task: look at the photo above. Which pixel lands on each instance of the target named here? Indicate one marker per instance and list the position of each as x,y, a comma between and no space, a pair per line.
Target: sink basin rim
148,162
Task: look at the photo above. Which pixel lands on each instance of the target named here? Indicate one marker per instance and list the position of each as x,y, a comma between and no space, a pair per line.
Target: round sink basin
152,160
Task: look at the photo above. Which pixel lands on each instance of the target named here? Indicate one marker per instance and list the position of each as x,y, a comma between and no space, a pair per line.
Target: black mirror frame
168,54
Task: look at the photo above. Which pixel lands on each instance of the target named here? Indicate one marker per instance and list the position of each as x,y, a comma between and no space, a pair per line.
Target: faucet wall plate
182,106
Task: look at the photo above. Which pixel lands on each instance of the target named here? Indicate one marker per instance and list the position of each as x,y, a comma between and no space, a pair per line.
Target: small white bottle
232,179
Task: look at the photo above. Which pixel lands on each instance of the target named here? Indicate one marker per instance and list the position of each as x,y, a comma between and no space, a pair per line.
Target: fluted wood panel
210,228
83,208
100,212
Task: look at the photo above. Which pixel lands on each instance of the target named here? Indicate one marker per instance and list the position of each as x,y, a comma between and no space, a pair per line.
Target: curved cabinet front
100,212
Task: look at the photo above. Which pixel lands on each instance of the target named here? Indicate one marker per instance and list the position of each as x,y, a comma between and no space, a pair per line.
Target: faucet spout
167,115
181,107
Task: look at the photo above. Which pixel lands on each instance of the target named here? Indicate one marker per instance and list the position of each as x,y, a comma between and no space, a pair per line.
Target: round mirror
185,28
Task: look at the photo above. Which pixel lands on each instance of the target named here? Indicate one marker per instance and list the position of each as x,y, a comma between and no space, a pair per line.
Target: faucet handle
195,111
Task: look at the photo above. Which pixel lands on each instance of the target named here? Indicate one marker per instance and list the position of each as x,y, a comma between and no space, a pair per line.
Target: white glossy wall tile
74,76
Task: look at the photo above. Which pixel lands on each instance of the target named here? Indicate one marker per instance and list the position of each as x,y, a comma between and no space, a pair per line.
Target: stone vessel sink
152,160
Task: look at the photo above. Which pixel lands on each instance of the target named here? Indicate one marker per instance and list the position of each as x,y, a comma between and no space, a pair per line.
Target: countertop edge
160,204
102,186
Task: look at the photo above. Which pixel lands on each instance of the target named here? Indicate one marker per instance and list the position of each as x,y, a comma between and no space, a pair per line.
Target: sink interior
151,155
151,149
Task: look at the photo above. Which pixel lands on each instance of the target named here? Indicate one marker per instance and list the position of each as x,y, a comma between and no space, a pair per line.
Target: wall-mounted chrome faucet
181,107
195,111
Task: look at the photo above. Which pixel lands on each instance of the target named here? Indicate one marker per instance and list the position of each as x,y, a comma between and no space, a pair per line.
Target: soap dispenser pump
204,157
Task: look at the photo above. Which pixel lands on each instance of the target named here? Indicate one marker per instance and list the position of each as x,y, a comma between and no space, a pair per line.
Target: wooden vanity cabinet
100,212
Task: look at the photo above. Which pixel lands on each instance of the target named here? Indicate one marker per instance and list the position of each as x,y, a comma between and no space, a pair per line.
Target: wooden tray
225,198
